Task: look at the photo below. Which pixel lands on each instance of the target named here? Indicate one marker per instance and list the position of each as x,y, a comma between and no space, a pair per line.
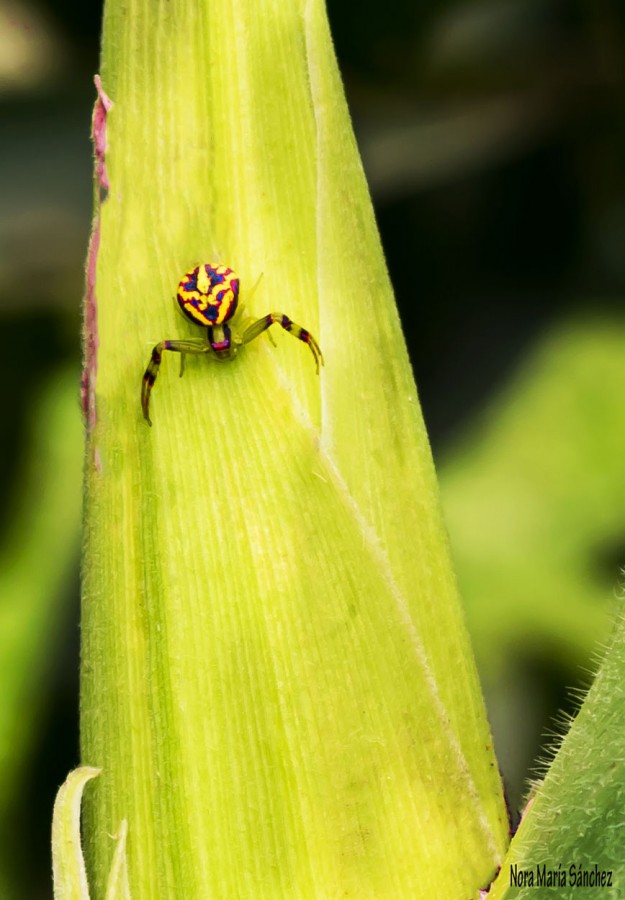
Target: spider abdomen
209,294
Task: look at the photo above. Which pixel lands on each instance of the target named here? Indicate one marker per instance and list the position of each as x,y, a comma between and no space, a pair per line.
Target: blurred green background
493,136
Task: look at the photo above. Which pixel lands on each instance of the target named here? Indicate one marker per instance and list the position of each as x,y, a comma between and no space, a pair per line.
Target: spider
208,295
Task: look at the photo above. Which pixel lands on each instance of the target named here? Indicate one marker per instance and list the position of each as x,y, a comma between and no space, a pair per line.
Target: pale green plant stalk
276,678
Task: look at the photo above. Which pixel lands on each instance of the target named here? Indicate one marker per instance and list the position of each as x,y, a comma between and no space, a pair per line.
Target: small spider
208,295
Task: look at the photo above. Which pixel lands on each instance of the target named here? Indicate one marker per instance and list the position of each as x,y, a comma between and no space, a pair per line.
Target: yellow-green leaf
276,678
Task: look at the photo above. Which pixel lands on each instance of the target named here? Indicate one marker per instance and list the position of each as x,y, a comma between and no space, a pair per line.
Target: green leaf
276,679
540,477
576,822
68,865
37,563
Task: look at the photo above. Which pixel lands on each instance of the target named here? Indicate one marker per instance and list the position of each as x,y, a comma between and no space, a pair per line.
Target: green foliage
575,824
534,496
36,562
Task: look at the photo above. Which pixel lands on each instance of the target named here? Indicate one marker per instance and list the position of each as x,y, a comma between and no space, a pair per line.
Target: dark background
492,132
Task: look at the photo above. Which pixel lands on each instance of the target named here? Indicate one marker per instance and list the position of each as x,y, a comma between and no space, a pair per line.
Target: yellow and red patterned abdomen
208,294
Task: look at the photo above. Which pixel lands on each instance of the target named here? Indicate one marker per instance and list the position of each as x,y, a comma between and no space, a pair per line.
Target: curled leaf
68,864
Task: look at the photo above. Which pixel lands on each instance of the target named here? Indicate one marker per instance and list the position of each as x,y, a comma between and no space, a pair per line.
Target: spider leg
275,318
182,347
254,287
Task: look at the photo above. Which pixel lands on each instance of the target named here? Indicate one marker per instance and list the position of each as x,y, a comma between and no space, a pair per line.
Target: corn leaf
277,682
